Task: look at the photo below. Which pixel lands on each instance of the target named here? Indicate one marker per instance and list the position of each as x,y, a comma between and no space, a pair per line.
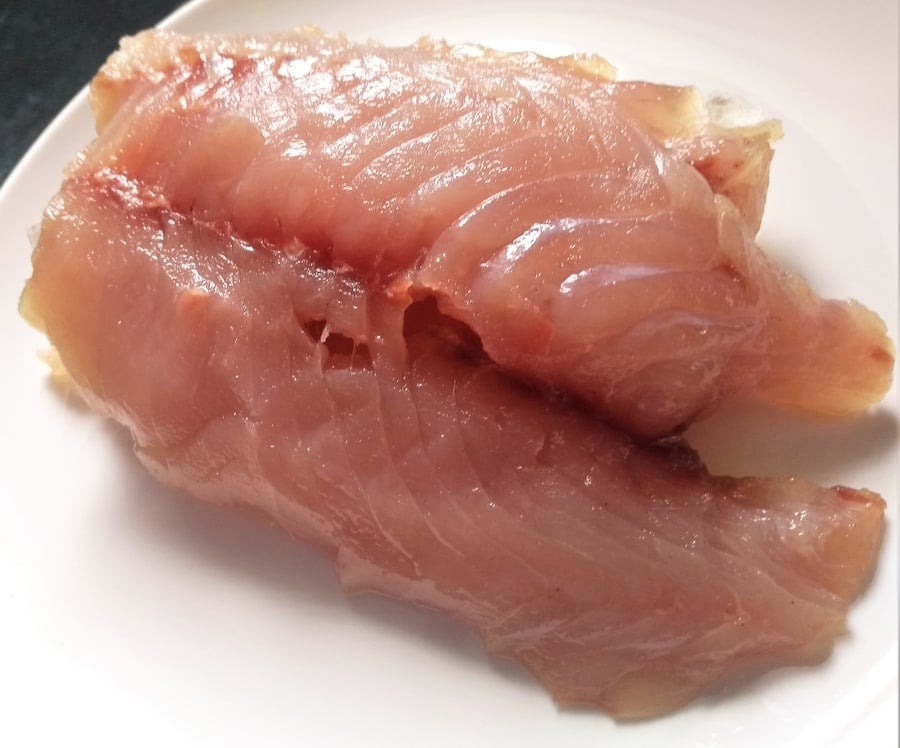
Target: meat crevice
340,351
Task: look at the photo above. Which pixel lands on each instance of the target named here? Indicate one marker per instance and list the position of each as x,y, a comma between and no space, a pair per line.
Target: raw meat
260,361
551,210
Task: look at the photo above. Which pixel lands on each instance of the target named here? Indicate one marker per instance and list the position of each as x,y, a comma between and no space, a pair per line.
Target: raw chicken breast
257,270
552,211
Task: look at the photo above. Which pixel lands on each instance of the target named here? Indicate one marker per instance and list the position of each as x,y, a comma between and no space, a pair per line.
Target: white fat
727,111
732,113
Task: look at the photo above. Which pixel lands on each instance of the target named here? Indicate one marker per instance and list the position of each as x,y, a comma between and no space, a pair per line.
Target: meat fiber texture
395,299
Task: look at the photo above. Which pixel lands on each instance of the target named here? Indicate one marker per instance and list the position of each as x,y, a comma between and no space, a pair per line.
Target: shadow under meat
248,545
744,439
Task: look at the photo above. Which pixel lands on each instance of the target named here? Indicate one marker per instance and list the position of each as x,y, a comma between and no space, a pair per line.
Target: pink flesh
622,577
555,213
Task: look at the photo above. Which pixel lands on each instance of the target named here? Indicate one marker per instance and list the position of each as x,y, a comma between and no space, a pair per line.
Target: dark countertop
49,50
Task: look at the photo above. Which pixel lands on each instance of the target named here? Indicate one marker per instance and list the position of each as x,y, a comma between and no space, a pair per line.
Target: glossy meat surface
557,213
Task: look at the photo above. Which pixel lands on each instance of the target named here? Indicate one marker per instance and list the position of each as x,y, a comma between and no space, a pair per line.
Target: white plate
129,615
